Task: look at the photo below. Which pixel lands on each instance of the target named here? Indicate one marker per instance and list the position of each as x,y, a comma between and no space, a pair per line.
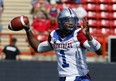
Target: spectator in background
39,27
53,11
39,6
39,24
11,52
32,3
52,24
1,8
1,11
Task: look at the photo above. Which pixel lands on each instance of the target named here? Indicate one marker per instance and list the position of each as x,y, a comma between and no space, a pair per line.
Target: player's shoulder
79,33
79,30
54,32
7,45
81,36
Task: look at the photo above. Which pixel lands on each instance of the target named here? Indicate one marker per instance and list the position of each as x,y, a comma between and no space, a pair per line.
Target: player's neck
65,34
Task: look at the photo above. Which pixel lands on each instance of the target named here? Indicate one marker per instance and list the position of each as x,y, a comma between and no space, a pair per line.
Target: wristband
95,44
29,30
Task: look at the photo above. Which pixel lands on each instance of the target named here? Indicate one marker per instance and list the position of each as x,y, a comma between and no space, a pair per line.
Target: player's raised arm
31,38
22,22
85,29
92,42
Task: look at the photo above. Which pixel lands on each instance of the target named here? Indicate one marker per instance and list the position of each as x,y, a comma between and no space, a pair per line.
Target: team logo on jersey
63,45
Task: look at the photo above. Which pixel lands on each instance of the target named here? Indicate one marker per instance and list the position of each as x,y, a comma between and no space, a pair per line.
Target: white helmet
67,16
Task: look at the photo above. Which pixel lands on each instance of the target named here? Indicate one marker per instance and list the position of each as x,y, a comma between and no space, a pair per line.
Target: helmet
67,16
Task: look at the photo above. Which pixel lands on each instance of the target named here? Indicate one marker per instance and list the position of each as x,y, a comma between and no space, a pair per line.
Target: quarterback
70,44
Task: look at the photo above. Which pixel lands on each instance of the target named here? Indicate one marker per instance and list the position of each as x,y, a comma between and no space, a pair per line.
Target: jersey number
65,64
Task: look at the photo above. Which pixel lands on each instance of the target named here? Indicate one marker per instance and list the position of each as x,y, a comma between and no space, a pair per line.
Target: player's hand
85,29
27,27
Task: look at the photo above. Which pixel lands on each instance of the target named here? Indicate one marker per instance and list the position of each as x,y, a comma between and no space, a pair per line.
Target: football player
71,44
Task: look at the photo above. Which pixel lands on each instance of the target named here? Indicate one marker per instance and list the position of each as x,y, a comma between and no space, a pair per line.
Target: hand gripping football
18,23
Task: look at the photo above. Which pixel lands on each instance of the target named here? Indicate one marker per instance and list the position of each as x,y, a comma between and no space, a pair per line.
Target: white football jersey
71,55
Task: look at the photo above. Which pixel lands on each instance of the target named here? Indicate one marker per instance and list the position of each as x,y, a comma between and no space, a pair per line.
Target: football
18,23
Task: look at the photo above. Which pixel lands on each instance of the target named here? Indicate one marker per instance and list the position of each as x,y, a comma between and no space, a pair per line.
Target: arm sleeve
93,45
90,45
44,47
87,46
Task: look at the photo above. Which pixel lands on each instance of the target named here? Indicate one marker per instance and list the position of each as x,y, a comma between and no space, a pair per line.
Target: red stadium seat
91,15
103,7
103,1
106,7
89,1
104,23
103,15
60,6
94,31
112,1
112,15
100,32
112,31
106,15
92,23
105,31
113,23
90,7
113,7
102,39
72,6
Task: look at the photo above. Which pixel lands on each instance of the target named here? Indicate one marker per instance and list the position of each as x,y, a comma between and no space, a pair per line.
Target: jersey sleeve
81,37
45,46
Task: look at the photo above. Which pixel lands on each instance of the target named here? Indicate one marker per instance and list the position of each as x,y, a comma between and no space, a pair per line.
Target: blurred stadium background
102,21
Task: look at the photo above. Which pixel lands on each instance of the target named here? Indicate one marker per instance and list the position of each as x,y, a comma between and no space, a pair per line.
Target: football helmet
67,17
